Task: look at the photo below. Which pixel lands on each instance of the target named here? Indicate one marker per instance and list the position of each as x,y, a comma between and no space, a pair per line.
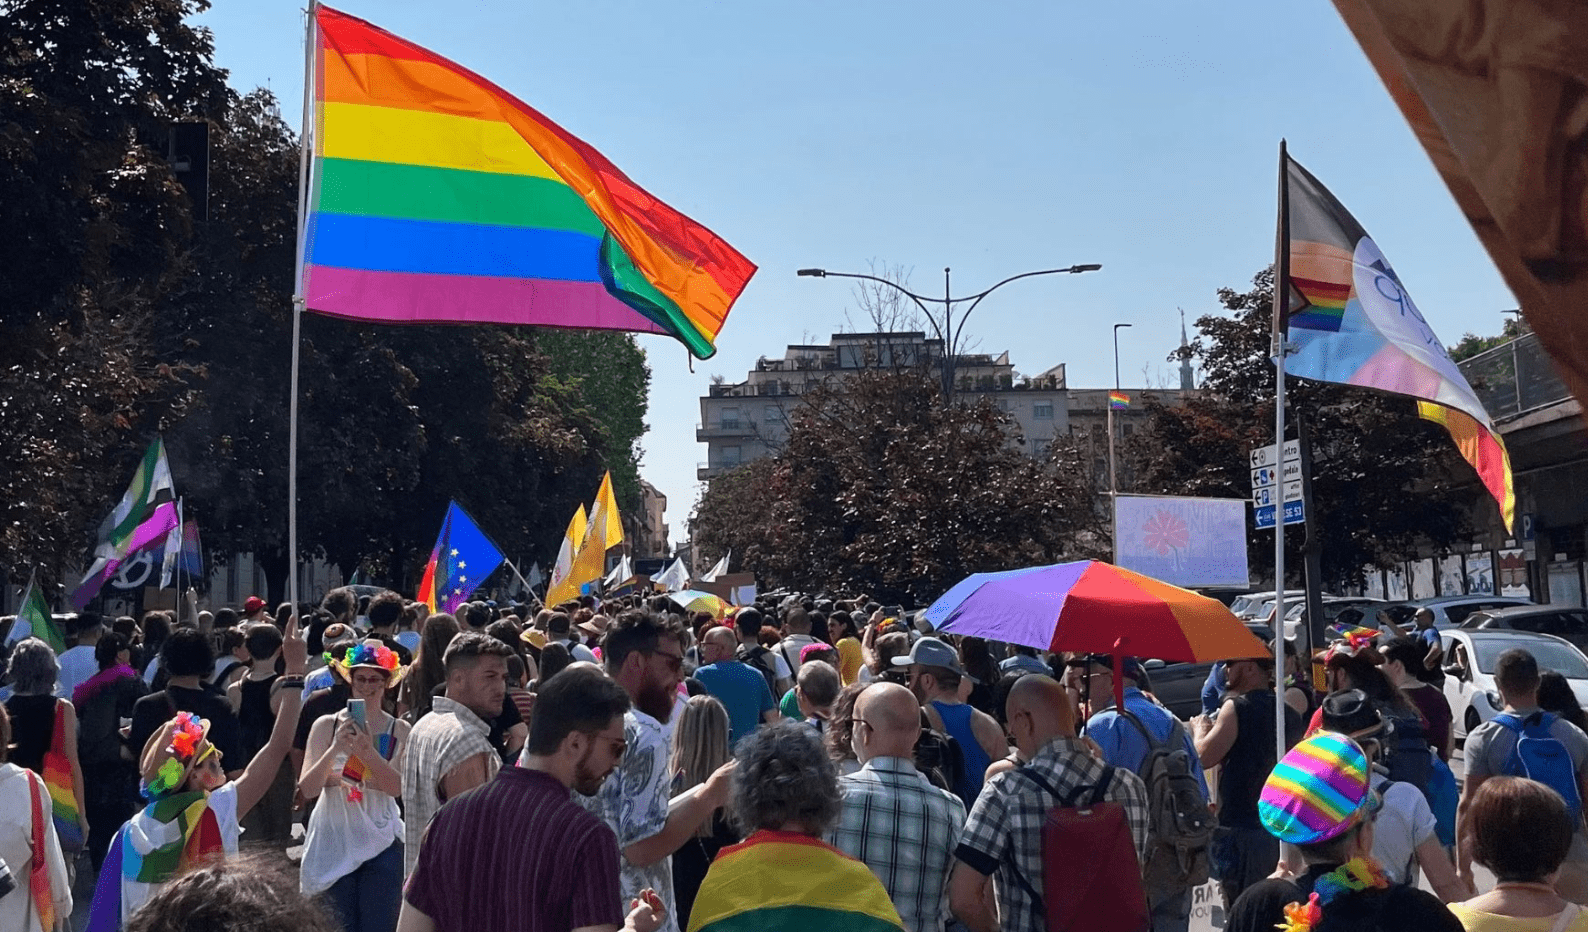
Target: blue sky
992,138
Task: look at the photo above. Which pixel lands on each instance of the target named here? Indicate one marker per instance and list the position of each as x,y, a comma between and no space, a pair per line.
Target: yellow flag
560,570
604,517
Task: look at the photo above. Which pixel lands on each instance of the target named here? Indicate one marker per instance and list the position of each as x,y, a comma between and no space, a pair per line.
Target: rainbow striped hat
1319,791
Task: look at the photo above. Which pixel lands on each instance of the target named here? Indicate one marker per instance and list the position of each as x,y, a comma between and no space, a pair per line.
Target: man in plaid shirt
1004,830
894,819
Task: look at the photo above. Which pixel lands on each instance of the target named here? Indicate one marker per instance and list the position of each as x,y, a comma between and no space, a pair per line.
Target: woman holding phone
353,851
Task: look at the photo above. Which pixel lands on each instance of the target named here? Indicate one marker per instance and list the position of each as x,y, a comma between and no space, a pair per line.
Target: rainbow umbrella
696,600
1093,607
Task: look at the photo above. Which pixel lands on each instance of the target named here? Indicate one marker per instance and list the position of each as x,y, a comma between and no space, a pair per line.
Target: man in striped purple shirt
518,853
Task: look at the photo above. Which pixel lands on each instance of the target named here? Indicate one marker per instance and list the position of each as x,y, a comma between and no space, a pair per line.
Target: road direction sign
1268,456
1263,515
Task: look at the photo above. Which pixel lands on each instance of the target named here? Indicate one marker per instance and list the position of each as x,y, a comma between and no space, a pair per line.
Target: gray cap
931,652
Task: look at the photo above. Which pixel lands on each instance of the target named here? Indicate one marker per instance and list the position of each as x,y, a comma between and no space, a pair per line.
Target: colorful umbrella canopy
695,600
1094,607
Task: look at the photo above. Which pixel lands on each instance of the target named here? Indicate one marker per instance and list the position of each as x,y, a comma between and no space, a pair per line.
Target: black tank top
1251,759
254,718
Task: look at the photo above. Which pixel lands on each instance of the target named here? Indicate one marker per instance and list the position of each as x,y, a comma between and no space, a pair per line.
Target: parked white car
1470,656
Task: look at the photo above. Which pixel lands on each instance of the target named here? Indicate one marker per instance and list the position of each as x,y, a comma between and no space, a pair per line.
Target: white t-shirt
222,802
788,649
1404,823
578,650
77,666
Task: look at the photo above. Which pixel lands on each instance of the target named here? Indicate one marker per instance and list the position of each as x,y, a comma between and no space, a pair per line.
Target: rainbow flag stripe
1119,401
58,779
439,197
781,880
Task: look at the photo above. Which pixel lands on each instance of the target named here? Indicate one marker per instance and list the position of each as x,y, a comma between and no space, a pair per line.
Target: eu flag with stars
461,560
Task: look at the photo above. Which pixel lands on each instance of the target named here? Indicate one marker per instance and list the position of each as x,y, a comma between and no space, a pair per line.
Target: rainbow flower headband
187,734
366,654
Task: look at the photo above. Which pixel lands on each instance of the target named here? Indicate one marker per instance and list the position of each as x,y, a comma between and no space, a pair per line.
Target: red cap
253,604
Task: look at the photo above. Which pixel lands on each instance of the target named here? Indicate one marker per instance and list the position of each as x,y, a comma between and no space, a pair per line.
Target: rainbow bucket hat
1319,791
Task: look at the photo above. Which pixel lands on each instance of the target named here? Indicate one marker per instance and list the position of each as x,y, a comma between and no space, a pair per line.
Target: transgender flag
146,514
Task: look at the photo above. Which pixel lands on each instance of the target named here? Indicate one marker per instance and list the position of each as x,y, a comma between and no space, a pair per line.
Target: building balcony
723,430
704,471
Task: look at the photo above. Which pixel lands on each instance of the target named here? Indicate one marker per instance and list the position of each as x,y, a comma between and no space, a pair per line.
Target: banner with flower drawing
1190,542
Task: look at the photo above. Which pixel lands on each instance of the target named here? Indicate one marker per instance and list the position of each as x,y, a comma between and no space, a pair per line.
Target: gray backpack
1180,821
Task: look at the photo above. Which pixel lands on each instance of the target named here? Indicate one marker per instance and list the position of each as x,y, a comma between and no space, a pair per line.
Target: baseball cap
932,652
1318,792
252,604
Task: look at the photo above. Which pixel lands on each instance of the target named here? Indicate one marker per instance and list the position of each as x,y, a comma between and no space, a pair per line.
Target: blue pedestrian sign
1263,515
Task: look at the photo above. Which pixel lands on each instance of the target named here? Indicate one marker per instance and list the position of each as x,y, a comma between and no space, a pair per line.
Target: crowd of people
814,763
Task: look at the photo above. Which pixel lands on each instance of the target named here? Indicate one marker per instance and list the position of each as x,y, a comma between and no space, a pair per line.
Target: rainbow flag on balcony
436,196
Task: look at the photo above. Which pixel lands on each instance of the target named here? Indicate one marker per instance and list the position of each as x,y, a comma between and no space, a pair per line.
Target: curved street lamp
948,334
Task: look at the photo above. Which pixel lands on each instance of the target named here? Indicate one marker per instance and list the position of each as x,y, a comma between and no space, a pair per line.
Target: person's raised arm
685,813
261,771
1213,741
325,740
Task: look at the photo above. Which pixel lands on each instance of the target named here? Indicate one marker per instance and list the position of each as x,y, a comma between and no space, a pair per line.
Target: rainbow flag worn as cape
58,778
437,196
783,880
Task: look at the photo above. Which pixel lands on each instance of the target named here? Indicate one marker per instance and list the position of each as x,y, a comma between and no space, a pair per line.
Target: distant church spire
1186,382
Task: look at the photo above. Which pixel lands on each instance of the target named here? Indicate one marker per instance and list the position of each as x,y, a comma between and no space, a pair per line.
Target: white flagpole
305,143
1279,348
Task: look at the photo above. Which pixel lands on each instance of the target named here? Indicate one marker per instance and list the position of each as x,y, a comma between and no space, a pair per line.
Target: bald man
740,688
893,818
1004,829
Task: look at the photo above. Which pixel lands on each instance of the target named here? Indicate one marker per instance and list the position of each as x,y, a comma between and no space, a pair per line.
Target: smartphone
893,611
355,711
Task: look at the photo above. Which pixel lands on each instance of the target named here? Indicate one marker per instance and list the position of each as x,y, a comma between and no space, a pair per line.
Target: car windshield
1551,655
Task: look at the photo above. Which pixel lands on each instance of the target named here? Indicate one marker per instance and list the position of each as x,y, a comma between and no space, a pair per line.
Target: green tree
1386,484
608,372
882,489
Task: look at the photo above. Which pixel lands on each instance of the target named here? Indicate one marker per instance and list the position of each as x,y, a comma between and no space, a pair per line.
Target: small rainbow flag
1118,401
436,196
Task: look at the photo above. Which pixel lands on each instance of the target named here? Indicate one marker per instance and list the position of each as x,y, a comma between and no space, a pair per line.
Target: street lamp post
948,334
1113,487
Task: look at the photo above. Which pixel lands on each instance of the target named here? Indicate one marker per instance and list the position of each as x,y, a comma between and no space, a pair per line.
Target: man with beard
644,654
518,853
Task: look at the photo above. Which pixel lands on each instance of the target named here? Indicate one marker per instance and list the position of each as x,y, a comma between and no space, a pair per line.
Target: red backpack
1091,875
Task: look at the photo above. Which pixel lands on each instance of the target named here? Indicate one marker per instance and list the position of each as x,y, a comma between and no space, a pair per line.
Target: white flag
719,569
536,577
675,577
173,549
620,573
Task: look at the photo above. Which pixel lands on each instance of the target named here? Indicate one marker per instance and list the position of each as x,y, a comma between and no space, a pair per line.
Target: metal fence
1514,378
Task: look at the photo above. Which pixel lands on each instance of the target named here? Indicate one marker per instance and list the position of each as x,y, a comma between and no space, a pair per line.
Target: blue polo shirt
1124,746
742,690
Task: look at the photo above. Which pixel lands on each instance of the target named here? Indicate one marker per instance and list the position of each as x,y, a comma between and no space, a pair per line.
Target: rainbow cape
1353,323
782,880
436,196
40,887
58,778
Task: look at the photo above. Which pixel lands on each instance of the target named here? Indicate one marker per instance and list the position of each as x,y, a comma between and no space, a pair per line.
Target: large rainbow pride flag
436,196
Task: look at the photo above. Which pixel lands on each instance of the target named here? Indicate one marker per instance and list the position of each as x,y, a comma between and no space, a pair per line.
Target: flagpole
305,143
521,579
1281,295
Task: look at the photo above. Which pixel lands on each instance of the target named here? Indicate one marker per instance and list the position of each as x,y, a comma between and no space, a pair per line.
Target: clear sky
994,138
